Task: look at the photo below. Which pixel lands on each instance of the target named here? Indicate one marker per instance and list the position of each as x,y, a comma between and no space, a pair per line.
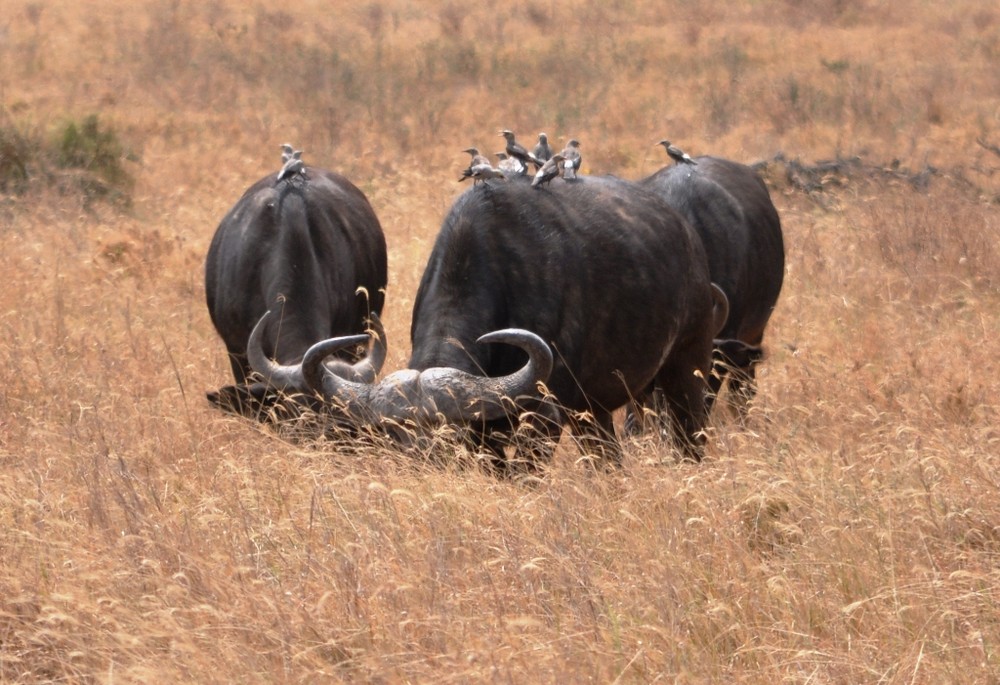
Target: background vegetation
850,532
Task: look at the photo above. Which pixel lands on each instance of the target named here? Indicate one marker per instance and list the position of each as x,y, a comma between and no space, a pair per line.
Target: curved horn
720,309
323,378
536,371
365,370
458,395
280,376
461,396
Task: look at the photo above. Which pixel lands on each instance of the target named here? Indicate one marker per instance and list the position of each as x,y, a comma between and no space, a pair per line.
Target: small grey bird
676,154
542,151
480,168
477,160
293,165
516,150
286,152
510,166
549,170
573,159
484,172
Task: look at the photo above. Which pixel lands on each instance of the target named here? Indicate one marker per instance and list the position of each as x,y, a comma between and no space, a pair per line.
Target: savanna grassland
849,532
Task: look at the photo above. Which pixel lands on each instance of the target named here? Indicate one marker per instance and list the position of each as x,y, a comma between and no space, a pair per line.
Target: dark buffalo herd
539,308
602,271
310,248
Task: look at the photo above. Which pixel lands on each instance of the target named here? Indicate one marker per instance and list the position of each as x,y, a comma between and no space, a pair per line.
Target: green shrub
15,158
80,158
100,154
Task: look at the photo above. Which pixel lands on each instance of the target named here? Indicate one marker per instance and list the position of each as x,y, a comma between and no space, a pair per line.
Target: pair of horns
289,377
410,394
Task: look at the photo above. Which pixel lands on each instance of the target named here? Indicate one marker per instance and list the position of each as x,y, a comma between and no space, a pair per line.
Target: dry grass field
848,533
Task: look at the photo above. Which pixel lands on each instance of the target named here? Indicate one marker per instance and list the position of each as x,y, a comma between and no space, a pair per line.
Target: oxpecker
480,168
293,165
676,154
573,159
484,172
542,151
516,150
552,167
510,166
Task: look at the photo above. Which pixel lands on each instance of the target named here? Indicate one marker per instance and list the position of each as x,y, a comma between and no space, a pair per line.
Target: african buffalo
308,246
729,207
601,270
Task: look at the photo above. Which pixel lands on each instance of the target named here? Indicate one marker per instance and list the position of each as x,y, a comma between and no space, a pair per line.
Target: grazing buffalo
307,246
601,270
729,207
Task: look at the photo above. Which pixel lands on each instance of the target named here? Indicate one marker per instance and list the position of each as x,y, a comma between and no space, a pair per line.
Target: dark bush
15,158
100,155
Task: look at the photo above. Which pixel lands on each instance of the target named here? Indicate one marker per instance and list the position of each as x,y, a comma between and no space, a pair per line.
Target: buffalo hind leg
743,388
524,447
595,436
685,410
739,360
641,413
717,379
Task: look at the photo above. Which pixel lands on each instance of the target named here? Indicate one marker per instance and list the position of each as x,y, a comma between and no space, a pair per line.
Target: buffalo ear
720,309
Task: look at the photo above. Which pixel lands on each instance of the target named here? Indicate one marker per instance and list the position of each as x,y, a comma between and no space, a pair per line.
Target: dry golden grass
849,533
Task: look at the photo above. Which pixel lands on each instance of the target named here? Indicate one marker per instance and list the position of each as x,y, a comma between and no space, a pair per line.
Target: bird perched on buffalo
572,159
293,163
480,168
552,168
484,172
476,158
676,154
510,166
286,152
542,151
517,151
